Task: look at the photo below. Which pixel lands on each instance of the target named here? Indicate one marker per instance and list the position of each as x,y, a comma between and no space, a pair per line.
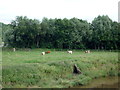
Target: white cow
69,52
14,49
43,53
88,51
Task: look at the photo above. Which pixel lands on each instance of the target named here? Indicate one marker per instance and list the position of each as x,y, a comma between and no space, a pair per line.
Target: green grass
24,68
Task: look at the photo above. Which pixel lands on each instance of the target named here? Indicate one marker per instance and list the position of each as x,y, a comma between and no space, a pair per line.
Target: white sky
37,9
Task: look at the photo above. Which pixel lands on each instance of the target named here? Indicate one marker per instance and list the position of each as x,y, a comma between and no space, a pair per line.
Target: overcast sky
37,9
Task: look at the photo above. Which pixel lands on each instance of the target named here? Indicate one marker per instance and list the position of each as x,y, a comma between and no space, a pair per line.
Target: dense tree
5,29
102,32
65,33
105,33
25,32
80,33
115,35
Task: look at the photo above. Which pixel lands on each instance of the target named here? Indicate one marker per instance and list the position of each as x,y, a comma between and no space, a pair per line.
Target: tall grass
28,68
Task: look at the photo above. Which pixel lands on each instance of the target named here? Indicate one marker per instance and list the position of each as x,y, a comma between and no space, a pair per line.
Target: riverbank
106,82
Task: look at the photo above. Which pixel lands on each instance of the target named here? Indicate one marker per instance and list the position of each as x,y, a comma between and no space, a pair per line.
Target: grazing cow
43,53
70,52
47,52
14,49
88,51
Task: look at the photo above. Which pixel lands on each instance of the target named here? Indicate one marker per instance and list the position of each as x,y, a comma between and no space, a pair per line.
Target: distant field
28,68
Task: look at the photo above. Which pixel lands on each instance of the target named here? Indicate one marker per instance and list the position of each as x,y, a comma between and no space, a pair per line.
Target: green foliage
65,33
105,33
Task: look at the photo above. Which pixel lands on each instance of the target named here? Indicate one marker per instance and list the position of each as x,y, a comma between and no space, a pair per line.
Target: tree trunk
37,44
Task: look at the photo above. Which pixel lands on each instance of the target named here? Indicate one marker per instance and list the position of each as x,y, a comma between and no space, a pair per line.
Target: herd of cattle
70,52
47,52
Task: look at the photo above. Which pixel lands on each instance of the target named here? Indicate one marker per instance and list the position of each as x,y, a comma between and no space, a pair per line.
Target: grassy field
28,68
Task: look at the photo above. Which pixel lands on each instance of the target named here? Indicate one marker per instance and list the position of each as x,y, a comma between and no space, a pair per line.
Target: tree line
74,33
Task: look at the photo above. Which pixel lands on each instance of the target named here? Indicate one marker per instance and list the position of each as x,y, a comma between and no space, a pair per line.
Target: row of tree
65,33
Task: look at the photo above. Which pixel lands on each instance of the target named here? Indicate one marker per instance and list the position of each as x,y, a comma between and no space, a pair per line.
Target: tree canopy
74,33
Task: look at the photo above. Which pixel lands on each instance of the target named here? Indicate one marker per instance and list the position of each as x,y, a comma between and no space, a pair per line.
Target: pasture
28,68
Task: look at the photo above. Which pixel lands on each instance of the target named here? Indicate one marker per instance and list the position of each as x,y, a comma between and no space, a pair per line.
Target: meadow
28,68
